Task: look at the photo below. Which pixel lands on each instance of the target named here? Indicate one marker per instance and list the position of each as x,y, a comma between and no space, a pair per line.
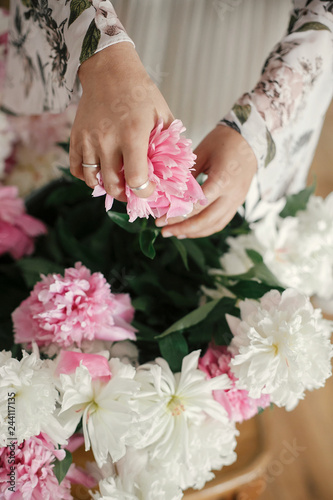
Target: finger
163,221
75,161
90,157
90,173
202,160
112,174
136,167
212,219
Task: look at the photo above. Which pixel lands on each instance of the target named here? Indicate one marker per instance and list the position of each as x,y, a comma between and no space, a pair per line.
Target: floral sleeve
281,117
47,42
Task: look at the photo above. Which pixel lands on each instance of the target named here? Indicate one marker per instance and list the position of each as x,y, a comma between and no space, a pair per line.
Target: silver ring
143,186
91,165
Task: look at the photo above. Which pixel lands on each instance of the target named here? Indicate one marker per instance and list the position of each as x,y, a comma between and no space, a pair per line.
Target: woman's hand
118,109
230,164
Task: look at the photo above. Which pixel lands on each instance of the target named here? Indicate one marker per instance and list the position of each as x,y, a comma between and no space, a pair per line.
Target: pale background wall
204,54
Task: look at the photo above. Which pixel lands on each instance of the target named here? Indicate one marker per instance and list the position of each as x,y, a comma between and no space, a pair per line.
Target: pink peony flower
17,229
33,477
170,161
64,311
237,402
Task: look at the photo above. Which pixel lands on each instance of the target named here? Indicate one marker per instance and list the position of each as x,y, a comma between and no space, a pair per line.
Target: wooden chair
243,480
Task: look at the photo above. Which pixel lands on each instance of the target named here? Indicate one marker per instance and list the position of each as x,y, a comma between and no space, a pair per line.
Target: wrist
113,61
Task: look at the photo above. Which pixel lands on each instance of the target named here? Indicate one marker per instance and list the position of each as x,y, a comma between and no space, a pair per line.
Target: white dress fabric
200,53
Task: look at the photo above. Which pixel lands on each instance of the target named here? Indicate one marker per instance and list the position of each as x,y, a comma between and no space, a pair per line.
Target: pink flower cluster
17,229
33,477
64,311
170,160
237,402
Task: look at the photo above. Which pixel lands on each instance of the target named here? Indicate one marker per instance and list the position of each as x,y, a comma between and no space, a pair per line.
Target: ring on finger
91,165
141,187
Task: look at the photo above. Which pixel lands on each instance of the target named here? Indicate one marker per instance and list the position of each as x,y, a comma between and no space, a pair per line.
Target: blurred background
310,475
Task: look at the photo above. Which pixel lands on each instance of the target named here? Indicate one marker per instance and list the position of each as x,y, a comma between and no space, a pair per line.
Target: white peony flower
236,260
35,398
106,407
281,346
145,479
299,250
146,486
174,409
210,447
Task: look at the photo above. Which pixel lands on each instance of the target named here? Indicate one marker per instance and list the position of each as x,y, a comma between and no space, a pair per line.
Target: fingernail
160,223
182,237
167,234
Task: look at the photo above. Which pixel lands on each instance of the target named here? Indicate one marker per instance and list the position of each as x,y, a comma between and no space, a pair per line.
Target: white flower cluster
298,250
160,429
282,347
155,433
36,397
164,432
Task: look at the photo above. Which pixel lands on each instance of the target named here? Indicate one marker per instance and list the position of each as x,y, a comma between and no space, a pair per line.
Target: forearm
295,88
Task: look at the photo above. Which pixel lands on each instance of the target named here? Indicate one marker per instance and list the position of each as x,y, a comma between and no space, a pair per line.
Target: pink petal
97,365
77,475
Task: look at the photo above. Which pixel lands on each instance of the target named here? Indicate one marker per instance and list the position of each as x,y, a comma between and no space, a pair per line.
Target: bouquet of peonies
147,350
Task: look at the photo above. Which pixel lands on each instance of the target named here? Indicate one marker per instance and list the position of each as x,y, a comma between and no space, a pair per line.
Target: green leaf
122,220
147,239
32,268
173,348
77,7
266,276
61,467
190,319
242,112
249,289
215,325
90,42
261,271
312,26
254,256
296,202
71,193
71,246
271,148
182,251
64,145
196,254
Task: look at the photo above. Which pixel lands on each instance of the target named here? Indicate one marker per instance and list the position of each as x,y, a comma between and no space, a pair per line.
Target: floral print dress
280,118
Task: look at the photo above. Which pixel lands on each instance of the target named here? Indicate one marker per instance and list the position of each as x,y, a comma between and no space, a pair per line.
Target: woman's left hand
228,160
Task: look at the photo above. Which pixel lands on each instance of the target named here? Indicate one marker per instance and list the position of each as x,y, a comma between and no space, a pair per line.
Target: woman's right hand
119,107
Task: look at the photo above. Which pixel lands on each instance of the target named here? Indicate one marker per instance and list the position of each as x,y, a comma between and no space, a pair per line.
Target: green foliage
163,276
191,319
147,239
173,348
32,268
61,467
297,202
